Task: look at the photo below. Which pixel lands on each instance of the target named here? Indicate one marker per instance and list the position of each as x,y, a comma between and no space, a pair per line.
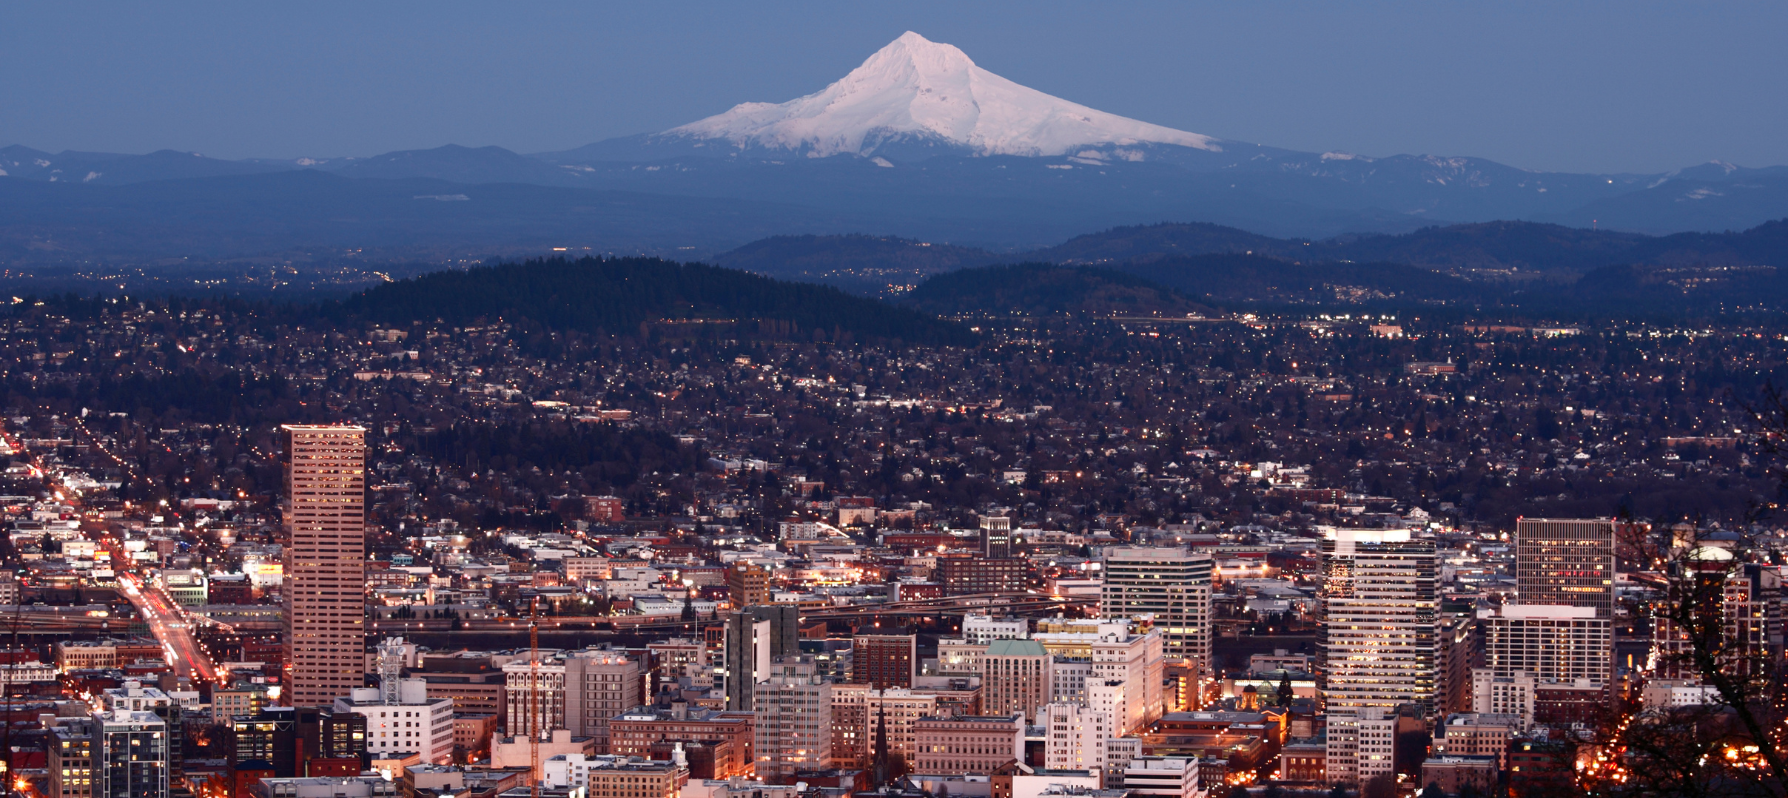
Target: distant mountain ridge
918,142
1251,282
1493,250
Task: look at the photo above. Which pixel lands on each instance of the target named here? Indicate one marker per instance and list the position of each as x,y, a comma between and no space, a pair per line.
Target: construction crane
534,719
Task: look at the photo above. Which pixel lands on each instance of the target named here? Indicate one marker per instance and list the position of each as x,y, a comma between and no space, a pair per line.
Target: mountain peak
919,54
918,89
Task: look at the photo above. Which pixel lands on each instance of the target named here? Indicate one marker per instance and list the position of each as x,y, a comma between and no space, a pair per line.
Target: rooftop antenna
391,662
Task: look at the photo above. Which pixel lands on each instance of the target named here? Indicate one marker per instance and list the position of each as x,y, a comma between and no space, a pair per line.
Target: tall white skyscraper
1169,584
1377,644
1377,641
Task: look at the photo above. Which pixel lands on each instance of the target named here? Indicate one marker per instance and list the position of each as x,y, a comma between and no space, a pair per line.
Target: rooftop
1016,648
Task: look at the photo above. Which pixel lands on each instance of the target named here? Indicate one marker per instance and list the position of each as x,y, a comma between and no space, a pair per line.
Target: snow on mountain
919,89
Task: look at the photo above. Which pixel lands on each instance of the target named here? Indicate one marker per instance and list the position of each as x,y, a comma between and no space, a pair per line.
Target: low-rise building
967,744
517,751
1472,734
1304,760
1455,772
616,776
1162,777
367,786
635,732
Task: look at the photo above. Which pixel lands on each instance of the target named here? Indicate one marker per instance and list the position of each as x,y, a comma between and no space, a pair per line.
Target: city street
170,627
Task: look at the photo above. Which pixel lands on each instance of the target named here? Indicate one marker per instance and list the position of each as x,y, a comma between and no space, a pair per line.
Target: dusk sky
1633,87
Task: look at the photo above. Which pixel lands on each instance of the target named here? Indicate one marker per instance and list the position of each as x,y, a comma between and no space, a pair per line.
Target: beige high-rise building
794,720
1377,645
1567,562
325,576
1171,586
598,686
1015,678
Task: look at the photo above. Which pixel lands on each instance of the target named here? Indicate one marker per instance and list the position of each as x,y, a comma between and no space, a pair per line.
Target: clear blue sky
1626,86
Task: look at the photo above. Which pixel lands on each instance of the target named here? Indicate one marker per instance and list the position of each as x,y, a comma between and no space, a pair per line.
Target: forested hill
1037,289
618,295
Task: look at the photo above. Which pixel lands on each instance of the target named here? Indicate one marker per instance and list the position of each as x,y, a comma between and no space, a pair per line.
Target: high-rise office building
884,661
1377,639
755,637
794,720
1360,745
996,537
1134,661
534,696
1076,739
1016,678
600,685
71,758
1567,562
747,585
1550,643
1171,585
1377,644
1750,613
130,759
325,576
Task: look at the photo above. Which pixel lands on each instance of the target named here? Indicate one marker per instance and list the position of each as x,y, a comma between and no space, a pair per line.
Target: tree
1383,785
1707,619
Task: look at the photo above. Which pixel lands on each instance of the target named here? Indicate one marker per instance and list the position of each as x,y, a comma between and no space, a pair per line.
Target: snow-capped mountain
918,90
917,142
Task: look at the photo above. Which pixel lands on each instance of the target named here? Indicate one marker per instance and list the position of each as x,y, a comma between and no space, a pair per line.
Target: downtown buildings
579,691
400,717
114,753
